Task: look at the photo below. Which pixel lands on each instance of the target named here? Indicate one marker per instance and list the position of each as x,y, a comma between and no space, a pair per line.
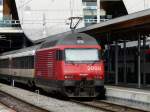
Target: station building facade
107,10
53,14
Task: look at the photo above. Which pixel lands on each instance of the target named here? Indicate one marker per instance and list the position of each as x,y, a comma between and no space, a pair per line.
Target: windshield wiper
94,62
72,62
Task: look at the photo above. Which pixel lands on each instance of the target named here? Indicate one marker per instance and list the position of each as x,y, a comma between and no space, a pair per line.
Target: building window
90,12
1,2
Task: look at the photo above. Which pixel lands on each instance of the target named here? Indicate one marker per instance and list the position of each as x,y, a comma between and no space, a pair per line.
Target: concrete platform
4,108
48,103
129,96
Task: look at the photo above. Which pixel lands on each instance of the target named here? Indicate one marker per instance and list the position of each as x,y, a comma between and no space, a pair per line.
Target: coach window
13,63
26,65
30,61
24,59
17,63
24,62
1,64
20,63
5,63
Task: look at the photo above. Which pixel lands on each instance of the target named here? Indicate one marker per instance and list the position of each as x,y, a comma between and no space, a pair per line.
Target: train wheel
31,85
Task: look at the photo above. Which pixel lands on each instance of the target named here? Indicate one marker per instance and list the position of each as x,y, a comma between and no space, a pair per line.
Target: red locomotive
70,64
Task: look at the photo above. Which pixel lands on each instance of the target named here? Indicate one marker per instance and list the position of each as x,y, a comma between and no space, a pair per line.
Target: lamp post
98,11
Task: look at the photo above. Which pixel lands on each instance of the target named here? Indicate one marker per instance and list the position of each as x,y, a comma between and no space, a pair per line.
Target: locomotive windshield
82,55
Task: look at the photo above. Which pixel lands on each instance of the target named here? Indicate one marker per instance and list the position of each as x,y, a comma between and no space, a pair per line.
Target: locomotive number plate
92,68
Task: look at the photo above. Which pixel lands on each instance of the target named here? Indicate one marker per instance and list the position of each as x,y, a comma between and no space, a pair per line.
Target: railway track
21,106
4,108
107,106
18,105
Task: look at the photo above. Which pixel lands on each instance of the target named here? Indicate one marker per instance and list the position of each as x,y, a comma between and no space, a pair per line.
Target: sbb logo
92,68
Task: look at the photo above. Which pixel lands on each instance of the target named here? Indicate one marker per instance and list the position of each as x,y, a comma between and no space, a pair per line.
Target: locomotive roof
69,39
29,51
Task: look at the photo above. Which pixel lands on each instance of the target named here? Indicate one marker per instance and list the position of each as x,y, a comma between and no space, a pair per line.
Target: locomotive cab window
59,55
82,55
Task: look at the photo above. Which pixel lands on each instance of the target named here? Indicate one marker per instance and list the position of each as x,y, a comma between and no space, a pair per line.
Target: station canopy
127,27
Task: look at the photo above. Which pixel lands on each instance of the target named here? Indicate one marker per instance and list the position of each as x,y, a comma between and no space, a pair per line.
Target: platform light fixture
3,38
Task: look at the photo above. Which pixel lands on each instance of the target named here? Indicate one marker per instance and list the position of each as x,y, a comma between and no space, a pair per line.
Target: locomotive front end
83,72
72,65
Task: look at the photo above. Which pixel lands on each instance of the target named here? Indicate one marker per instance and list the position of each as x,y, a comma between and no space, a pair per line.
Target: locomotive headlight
101,77
68,76
97,76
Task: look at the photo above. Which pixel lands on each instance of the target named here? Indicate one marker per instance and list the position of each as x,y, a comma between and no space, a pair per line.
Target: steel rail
107,106
17,104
